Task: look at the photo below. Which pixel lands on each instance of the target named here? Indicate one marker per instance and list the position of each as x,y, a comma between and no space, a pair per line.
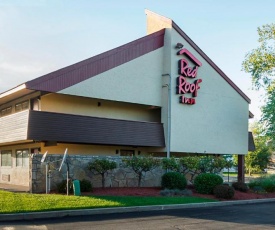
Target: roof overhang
14,93
251,143
251,115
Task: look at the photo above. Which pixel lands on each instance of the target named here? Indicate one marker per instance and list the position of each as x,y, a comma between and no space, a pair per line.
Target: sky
41,36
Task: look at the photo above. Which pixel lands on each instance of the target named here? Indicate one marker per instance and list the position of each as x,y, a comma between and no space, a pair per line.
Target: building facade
160,94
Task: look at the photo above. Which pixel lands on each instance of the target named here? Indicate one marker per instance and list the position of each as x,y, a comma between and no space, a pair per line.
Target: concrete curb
82,212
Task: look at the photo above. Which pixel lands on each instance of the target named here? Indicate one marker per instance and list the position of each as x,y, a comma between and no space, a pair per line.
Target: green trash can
76,185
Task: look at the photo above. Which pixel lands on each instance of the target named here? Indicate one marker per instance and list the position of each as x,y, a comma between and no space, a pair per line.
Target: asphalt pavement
238,216
83,212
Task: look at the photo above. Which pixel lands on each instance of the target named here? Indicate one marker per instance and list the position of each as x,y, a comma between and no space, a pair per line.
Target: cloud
19,68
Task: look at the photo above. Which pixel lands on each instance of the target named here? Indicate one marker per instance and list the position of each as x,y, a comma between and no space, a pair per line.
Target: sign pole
47,169
67,178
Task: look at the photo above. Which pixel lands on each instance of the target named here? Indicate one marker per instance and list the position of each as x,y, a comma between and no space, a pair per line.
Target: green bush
255,183
258,189
206,182
86,186
224,192
268,186
266,183
240,186
62,187
173,180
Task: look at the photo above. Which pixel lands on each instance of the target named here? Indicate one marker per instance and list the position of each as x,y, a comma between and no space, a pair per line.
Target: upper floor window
6,158
6,111
127,153
21,106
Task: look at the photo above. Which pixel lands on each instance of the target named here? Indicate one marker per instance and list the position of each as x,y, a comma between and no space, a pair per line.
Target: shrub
176,192
240,186
85,186
224,192
258,189
266,183
173,180
254,183
268,186
62,187
206,182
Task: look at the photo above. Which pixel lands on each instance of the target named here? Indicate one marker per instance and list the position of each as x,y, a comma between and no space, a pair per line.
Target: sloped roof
78,72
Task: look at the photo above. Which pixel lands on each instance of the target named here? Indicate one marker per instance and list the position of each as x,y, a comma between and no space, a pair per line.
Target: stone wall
120,177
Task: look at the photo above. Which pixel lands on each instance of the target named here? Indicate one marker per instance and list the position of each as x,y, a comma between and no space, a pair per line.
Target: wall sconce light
139,152
179,45
98,104
117,151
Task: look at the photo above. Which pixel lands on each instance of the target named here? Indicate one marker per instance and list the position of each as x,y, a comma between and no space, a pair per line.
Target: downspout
168,114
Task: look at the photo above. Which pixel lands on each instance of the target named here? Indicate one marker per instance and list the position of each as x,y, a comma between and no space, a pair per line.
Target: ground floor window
22,158
6,158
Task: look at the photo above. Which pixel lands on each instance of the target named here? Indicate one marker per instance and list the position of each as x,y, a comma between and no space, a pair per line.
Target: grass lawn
24,202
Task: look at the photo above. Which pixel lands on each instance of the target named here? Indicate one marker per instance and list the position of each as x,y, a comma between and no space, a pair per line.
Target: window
126,153
6,111
21,106
22,158
6,158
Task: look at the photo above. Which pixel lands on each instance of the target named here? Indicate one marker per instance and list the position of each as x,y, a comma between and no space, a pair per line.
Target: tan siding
96,150
89,107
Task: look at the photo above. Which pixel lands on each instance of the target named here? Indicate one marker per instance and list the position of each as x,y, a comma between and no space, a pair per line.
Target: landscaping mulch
146,191
127,191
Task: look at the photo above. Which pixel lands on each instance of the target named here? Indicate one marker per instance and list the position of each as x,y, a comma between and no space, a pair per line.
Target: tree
258,160
260,63
141,165
195,165
190,165
101,166
170,164
268,113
